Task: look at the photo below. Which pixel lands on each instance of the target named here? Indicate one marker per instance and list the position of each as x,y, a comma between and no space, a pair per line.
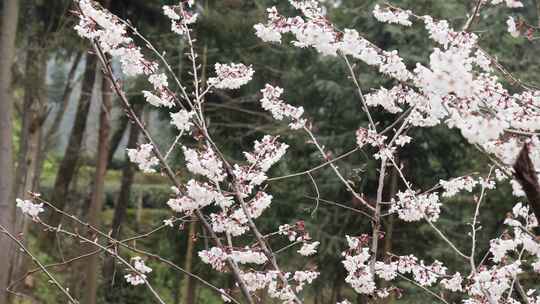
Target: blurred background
62,116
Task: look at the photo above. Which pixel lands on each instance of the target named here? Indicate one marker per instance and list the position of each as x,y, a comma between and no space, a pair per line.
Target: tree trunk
10,10
188,287
49,138
33,116
96,203
66,171
128,176
117,136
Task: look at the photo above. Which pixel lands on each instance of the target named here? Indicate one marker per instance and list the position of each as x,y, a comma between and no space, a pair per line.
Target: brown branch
525,174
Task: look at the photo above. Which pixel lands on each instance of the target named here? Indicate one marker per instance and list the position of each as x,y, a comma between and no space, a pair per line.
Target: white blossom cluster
198,195
388,16
29,208
231,76
313,30
512,27
111,34
138,277
143,157
216,257
357,261
270,282
182,120
412,207
309,248
205,163
279,109
509,3
181,16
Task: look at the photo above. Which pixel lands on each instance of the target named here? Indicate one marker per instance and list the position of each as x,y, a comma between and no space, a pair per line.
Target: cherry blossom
512,28
279,109
231,76
143,157
309,249
182,120
29,208
386,15
138,277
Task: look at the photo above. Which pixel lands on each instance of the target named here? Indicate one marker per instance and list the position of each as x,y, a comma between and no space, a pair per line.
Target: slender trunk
188,288
117,137
96,203
66,94
128,176
387,245
33,116
68,165
49,139
10,10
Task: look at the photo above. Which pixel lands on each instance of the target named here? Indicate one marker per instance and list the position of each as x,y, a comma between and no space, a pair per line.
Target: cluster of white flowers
111,35
276,289
427,275
402,140
143,157
454,283
314,31
309,248
164,100
454,186
509,3
512,27
439,31
279,109
367,136
231,76
198,195
181,120
491,283
216,257
205,163
412,207
29,208
266,152
357,265
138,277
181,16
386,99
389,16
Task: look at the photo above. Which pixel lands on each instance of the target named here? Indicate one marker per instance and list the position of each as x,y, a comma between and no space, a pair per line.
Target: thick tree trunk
10,10
66,171
96,203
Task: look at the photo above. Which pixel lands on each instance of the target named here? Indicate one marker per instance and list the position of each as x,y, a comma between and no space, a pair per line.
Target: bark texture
8,31
66,170
527,177
96,202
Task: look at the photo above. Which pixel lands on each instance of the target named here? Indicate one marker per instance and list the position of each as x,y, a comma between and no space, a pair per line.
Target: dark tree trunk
33,116
128,176
526,175
117,137
68,165
96,202
8,31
